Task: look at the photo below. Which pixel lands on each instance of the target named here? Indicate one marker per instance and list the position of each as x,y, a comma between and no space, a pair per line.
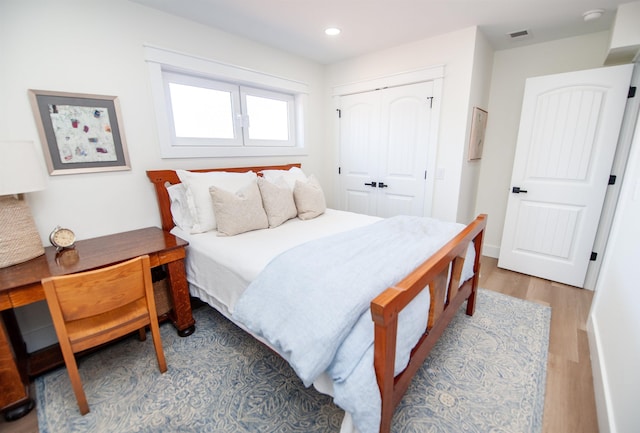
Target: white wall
510,70
96,47
479,97
614,322
90,46
624,45
454,50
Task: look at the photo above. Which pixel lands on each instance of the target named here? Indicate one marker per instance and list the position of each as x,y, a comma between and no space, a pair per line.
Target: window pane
268,118
199,112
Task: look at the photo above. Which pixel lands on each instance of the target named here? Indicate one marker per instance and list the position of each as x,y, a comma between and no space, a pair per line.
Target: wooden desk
20,285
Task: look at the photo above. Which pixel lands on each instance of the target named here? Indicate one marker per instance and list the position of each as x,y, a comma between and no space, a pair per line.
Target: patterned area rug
487,373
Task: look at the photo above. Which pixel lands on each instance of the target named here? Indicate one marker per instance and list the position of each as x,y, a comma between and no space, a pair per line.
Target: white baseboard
492,251
605,425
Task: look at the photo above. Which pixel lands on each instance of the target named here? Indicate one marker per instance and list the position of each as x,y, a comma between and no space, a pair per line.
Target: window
202,112
206,112
207,109
268,116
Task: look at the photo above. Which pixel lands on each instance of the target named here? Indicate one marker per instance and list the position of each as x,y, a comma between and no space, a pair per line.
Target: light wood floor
569,404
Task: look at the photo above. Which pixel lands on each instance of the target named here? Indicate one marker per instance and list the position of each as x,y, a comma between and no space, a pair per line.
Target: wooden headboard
159,178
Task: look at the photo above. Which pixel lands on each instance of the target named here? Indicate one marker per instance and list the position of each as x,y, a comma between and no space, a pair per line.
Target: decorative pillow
309,198
198,196
290,176
179,206
238,212
277,200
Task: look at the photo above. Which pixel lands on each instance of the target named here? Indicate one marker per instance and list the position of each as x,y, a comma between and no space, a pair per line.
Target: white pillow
198,196
179,206
238,212
290,176
309,198
277,200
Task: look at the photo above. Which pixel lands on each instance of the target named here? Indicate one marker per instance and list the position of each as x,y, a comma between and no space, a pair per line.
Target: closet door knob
382,185
373,184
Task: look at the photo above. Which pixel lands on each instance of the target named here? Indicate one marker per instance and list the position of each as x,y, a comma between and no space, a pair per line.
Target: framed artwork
478,127
80,133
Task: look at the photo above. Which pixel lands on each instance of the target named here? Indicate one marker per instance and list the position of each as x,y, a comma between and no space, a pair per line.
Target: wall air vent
520,34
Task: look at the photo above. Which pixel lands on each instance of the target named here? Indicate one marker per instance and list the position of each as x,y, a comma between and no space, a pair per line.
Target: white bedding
219,268
318,297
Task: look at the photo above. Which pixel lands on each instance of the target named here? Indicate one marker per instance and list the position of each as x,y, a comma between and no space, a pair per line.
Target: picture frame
80,133
476,138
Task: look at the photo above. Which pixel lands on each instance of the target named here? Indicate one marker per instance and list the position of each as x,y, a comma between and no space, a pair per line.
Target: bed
219,273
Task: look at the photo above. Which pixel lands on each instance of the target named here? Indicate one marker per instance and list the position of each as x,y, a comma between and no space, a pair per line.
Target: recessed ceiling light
332,31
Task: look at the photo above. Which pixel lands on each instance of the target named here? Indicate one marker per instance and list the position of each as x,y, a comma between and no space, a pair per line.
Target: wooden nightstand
20,285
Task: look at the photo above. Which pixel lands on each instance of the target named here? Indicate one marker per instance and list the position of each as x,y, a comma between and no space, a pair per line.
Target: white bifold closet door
384,149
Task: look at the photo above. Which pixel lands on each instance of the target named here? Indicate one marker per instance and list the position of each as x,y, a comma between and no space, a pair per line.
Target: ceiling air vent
520,34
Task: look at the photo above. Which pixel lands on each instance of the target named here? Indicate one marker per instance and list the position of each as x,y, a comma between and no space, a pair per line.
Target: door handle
373,184
517,190
382,185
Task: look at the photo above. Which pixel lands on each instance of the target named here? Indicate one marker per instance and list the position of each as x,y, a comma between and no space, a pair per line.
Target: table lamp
21,171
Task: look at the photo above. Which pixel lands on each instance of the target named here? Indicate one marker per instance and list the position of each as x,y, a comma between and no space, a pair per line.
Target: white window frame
163,62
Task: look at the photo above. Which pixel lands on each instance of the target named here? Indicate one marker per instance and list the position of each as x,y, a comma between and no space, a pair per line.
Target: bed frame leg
477,244
385,422
471,302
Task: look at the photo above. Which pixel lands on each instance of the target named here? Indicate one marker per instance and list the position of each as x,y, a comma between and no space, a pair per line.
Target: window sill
215,152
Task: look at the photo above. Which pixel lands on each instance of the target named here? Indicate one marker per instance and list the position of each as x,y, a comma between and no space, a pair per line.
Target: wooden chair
94,307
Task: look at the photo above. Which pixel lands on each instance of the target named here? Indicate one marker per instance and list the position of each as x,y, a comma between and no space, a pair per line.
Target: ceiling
297,26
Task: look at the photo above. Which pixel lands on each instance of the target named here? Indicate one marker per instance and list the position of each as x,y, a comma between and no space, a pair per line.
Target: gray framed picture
80,133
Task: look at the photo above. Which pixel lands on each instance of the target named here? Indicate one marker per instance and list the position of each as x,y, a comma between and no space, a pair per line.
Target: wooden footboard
446,297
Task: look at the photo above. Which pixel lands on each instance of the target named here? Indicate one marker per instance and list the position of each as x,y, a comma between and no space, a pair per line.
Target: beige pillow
277,200
309,198
198,196
238,212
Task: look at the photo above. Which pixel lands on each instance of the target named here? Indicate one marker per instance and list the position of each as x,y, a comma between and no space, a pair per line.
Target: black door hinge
430,98
612,179
339,170
594,256
632,92
339,113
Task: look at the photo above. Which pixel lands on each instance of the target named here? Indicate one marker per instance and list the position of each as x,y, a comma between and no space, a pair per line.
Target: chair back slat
95,292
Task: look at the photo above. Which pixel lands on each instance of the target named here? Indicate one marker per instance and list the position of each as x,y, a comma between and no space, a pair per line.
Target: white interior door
384,143
567,139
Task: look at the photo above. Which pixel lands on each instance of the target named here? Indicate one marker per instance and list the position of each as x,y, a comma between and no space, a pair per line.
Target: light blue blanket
311,303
